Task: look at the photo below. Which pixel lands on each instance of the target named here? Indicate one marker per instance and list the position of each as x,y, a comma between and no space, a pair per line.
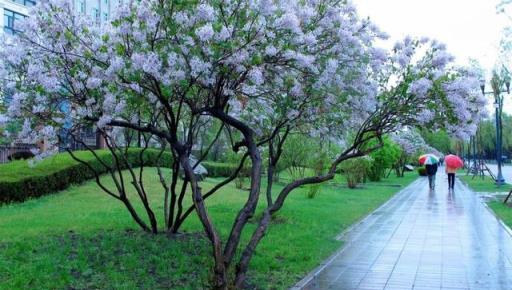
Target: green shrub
318,166
218,169
313,190
383,158
355,170
19,181
422,171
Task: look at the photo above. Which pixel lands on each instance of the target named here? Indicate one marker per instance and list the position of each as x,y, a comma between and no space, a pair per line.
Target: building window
82,7
106,2
11,20
96,14
25,2
105,16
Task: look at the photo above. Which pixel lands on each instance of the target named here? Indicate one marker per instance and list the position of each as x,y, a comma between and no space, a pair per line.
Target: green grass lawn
486,184
82,239
503,211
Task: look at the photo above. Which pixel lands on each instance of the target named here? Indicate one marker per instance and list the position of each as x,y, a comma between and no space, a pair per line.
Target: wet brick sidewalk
423,239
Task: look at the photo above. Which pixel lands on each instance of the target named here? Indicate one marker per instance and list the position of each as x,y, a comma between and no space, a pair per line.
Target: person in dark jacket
431,173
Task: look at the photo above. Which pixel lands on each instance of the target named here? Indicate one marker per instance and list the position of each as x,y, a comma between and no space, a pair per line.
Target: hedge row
217,169
19,181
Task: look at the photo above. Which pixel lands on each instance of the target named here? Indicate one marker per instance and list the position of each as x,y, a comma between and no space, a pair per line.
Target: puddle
492,196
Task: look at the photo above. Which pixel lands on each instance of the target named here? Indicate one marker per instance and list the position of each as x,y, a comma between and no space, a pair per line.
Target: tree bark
252,201
243,264
270,183
220,273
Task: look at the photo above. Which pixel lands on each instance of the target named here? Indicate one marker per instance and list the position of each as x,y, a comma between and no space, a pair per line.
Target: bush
19,182
318,168
313,191
422,171
218,169
22,155
383,158
355,170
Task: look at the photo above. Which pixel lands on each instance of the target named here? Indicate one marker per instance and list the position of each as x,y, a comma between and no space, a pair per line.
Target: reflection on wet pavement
424,239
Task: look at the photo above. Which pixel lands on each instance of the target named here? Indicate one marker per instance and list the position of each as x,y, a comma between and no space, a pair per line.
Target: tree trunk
169,207
179,218
249,207
270,181
252,201
220,275
243,264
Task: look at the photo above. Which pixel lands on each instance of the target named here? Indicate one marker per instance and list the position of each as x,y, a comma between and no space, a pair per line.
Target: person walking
431,173
451,176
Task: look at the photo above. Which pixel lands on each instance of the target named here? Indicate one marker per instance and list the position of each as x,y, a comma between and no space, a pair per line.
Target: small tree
355,170
383,158
411,144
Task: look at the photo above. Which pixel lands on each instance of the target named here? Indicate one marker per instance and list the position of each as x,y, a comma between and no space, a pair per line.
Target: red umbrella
453,161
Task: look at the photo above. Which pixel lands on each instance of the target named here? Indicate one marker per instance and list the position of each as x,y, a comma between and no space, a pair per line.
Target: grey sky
470,28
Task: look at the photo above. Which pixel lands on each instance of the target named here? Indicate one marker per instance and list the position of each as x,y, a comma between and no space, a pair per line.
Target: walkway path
423,240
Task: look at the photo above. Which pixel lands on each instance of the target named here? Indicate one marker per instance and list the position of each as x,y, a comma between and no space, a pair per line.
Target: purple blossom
120,107
16,104
103,121
256,76
379,55
224,34
205,33
289,21
271,50
50,83
93,83
205,12
3,120
152,64
182,19
420,87
402,60
198,67
441,59
109,103
266,7
425,116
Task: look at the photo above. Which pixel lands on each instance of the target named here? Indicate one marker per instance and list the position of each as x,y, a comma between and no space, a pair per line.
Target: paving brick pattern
422,240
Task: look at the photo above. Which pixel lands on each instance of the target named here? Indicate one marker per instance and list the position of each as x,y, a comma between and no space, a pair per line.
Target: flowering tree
262,68
412,144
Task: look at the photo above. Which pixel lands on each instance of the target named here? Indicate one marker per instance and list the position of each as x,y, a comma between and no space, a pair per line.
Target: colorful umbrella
453,161
428,159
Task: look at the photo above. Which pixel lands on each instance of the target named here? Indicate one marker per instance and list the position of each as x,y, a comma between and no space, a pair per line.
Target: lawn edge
326,262
501,222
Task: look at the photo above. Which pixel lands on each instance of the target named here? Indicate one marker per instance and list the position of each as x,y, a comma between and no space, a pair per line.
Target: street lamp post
498,105
475,166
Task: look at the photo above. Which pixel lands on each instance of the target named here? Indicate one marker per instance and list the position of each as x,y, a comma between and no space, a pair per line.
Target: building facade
15,10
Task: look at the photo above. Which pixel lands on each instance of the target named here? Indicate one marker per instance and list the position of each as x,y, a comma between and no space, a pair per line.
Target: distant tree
439,139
